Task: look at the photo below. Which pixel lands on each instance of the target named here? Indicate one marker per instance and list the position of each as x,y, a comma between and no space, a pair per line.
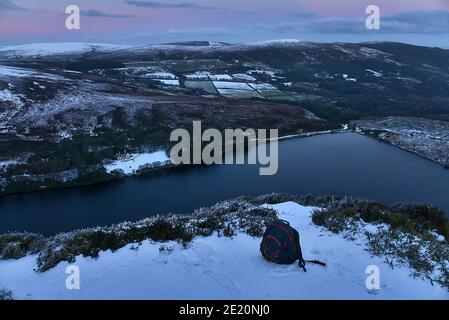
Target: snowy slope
38,50
222,268
15,72
56,48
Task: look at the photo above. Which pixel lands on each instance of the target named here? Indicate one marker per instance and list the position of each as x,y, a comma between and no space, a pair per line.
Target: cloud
304,15
208,31
163,5
409,22
419,21
9,5
435,21
99,14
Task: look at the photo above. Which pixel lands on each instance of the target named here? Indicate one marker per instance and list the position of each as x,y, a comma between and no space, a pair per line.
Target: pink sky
43,20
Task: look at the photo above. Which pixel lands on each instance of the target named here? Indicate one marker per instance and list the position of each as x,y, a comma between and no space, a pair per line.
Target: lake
332,164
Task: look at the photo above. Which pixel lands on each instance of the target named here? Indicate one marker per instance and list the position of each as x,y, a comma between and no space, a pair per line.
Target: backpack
280,244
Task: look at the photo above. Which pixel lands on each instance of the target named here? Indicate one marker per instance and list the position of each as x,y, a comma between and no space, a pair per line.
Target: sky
423,22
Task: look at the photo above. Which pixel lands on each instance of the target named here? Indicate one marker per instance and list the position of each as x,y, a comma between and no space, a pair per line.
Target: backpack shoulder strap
316,262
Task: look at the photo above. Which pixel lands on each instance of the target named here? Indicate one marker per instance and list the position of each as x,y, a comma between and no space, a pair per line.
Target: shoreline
168,168
150,171
363,133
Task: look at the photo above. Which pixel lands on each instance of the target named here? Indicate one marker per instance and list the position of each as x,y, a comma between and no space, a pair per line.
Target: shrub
407,241
18,245
6,294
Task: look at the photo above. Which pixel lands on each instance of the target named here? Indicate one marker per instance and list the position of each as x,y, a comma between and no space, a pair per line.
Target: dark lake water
336,164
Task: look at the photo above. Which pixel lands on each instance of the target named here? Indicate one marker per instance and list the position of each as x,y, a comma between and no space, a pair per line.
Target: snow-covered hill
223,268
56,49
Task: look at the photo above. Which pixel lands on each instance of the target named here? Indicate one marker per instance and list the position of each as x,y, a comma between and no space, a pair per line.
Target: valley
69,113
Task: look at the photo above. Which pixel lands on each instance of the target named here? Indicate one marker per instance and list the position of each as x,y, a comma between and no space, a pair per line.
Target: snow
439,237
6,163
262,86
375,73
231,85
372,53
277,42
243,76
133,162
46,49
198,75
7,71
347,78
161,75
222,268
6,95
220,77
168,82
266,72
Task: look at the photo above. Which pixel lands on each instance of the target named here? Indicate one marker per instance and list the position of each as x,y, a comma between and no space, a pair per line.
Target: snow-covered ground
222,268
7,71
375,73
6,163
45,49
133,162
243,76
168,82
262,86
220,77
231,85
198,75
6,95
161,75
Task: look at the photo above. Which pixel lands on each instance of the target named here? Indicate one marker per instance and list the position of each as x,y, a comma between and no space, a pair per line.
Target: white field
243,76
220,77
168,82
135,161
223,268
161,75
199,75
267,72
231,85
262,86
